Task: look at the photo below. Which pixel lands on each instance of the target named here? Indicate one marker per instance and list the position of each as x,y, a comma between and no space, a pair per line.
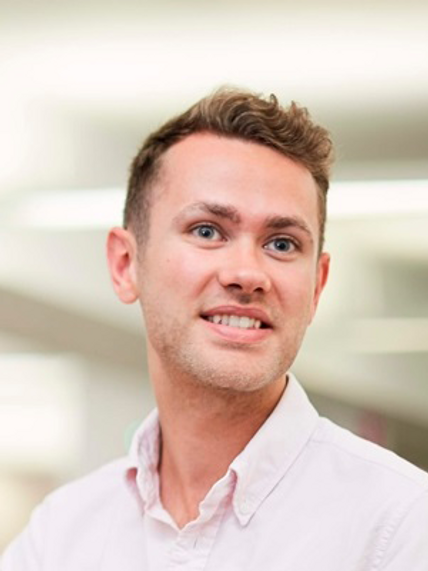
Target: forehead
249,176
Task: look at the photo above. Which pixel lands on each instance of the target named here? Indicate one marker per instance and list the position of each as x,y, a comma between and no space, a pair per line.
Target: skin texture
233,229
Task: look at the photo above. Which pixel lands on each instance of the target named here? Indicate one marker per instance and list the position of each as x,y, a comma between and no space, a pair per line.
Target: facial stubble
223,366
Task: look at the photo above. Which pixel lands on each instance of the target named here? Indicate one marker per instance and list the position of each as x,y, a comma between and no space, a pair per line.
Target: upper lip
240,311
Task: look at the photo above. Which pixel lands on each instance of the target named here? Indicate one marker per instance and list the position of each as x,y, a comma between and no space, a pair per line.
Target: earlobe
122,263
323,268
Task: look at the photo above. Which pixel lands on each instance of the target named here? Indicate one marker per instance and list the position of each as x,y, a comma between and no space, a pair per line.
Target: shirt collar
273,449
143,460
258,468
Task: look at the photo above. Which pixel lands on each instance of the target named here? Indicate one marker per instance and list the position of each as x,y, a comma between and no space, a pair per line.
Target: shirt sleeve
25,553
407,545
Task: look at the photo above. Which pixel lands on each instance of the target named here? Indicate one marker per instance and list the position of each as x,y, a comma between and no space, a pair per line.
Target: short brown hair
237,114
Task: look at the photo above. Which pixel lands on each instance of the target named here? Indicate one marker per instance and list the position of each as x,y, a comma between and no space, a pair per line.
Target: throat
182,492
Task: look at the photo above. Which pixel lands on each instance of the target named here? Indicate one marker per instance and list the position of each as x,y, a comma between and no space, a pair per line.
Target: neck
203,429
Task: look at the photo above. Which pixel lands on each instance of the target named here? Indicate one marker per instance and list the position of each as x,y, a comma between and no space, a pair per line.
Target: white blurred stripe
95,209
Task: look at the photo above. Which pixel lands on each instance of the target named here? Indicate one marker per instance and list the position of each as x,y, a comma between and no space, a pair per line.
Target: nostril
245,280
234,286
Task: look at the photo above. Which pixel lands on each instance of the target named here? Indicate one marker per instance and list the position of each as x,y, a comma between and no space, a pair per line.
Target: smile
242,322
238,325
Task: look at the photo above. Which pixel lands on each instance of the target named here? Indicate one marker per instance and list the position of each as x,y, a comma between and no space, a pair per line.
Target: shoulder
108,480
367,465
77,514
89,502
379,496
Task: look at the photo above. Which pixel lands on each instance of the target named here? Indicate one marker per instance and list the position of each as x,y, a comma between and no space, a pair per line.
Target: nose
243,271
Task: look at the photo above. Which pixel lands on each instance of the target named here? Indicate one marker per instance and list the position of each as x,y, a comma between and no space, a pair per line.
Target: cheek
297,286
186,272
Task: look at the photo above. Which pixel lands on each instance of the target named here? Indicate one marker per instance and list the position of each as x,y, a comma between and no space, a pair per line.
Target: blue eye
207,232
281,245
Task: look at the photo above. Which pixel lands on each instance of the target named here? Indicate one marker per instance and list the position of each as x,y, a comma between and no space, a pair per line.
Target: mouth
240,322
238,318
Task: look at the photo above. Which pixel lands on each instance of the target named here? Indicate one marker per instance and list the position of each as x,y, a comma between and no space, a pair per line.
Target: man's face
229,277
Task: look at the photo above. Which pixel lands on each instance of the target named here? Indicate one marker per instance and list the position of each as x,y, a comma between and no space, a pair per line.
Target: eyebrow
231,213
221,210
283,222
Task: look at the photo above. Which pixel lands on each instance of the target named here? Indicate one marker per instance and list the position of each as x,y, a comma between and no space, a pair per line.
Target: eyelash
294,243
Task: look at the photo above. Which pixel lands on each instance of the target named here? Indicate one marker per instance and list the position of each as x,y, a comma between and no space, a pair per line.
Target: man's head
234,114
230,274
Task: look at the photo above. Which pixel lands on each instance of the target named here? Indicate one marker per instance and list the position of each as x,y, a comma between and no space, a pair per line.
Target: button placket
194,543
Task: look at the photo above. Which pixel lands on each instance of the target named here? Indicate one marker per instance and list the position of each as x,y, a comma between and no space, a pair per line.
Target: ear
323,268
122,263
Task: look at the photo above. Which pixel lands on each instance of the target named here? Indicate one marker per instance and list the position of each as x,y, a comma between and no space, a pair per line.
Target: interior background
82,83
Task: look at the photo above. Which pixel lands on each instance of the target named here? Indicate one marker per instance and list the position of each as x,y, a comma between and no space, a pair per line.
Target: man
223,247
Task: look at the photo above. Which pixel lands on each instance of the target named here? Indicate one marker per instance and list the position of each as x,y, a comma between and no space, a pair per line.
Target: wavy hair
238,114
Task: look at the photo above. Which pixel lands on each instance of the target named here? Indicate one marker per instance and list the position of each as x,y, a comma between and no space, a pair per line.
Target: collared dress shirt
304,495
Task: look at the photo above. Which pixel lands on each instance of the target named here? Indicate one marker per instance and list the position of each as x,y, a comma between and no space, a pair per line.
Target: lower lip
238,335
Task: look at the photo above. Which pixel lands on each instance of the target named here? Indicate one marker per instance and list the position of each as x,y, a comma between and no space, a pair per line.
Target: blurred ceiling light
64,67
380,197
98,209
73,209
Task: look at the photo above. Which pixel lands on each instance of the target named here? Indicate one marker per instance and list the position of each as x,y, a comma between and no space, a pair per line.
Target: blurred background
82,83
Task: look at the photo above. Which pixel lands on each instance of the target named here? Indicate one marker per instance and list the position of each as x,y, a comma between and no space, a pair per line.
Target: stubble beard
238,371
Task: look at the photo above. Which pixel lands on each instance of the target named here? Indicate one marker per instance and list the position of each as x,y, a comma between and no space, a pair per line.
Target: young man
223,248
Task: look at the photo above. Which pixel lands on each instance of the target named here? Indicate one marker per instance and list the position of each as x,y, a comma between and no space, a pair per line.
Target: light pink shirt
304,495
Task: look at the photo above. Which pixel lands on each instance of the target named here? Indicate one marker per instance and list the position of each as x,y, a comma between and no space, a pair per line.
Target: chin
243,379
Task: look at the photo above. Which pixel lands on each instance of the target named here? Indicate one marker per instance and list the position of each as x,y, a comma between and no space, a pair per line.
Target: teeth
236,321
246,322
